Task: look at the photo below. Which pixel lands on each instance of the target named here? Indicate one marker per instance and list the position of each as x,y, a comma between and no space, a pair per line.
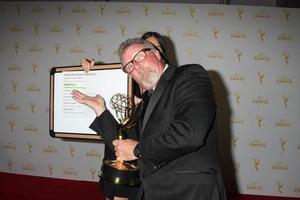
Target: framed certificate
70,119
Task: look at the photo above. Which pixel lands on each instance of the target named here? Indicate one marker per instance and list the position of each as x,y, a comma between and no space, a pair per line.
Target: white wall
252,54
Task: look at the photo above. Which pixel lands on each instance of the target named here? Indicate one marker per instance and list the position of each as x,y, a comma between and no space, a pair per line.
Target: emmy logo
99,49
56,47
279,186
115,171
36,27
192,11
261,35
78,29
238,54
237,98
32,107
50,169
283,143
72,150
101,9
168,30
12,125
123,29
14,86
285,99
259,120
287,14
16,46
34,67
234,141
10,164
59,8
93,172
240,12
189,53
215,31
256,163
146,10
29,145
286,57
261,76
19,7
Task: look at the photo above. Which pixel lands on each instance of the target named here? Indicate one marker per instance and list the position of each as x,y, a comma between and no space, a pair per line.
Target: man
177,150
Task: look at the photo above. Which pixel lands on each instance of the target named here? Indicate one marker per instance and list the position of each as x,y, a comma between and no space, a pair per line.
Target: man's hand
96,103
87,63
124,149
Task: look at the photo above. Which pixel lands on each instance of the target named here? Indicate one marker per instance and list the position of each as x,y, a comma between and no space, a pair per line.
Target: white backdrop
251,54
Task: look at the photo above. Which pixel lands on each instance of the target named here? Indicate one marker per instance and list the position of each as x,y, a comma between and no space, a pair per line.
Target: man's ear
157,54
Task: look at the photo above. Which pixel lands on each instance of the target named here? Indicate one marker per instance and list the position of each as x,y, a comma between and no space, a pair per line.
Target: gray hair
132,41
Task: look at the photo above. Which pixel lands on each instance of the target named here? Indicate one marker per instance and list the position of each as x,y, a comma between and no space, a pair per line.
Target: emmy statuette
115,171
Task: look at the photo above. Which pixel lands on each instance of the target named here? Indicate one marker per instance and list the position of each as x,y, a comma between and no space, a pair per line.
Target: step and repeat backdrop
252,55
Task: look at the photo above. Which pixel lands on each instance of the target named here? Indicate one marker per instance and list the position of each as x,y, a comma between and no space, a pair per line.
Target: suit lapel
159,90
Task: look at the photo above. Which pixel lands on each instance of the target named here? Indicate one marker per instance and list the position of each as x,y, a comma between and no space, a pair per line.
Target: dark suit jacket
179,158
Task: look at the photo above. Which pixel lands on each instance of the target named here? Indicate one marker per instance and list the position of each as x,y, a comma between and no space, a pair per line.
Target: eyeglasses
138,57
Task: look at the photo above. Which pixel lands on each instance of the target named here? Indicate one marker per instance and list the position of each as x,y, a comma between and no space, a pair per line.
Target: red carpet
23,187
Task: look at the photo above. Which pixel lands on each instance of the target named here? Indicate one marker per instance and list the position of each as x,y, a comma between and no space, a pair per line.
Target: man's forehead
133,48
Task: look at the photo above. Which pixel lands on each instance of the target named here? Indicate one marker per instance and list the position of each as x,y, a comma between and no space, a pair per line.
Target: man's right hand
87,63
96,103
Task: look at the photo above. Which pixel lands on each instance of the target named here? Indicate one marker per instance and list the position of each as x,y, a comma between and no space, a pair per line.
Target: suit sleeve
191,117
107,126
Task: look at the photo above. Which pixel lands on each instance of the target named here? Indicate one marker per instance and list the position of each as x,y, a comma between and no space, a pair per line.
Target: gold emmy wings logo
72,150
256,163
59,8
56,48
34,67
215,31
286,56
36,28
14,85
29,146
93,172
240,12
78,29
146,10
101,9
10,165
235,141
237,97
192,11
286,15
123,30
168,30
238,54
283,143
261,76
279,186
19,8
99,49
50,168
285,100
12,125
261,34
32,107
259,120
17,47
